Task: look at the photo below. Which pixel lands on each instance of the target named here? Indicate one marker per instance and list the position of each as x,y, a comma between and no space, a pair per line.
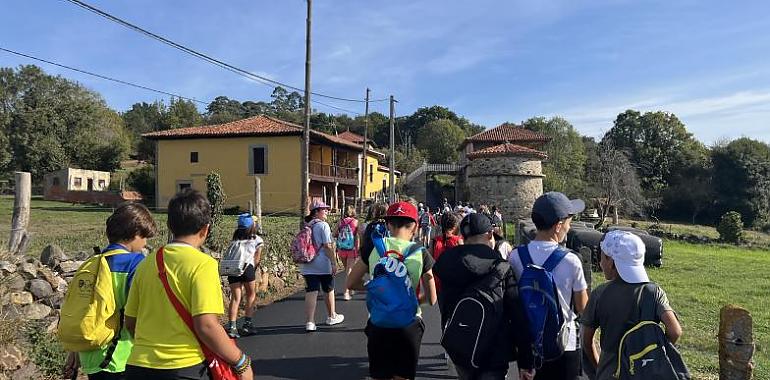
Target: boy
393,352
128,229
611,303
164,345
552,214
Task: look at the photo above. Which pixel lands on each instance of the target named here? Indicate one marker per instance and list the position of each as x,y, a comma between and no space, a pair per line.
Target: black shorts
316,282
394,352
249,275
196,372
567,367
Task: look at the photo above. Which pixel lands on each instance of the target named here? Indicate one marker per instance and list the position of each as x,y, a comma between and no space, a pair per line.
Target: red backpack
303,250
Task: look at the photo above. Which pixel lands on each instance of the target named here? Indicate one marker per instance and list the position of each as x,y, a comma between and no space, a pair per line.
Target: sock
231,325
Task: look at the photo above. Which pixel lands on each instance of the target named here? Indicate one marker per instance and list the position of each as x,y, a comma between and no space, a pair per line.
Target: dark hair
128,221
400,222
448,222
188,212
377,211
542,225
245,233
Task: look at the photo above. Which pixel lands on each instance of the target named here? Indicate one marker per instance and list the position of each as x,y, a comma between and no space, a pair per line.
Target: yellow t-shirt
162,339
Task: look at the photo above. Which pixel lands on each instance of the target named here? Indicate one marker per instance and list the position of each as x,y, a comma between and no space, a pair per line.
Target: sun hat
318,204
245,220
402,210
553,206
627,251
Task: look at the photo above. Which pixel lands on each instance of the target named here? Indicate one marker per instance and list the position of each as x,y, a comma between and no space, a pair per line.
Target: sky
706,61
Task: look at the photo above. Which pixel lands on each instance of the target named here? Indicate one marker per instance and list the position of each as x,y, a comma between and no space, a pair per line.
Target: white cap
627,251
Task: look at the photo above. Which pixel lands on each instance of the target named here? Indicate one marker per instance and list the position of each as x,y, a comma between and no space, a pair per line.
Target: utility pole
392,183
363,154
306,132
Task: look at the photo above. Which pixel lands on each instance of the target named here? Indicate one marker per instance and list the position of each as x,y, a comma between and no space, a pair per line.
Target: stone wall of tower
510,183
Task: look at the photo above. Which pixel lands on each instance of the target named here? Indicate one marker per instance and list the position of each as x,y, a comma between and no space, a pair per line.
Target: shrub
216,196
143,181
45,350
730,227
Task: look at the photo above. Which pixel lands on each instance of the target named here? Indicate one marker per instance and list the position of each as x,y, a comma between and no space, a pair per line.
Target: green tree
730,227
407,162
144,118
224,110
743,169
182,114
565,166
216,196
439,139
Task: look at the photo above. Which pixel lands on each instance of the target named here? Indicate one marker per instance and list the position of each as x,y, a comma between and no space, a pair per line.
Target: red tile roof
507,150
254,126
352,137
508,132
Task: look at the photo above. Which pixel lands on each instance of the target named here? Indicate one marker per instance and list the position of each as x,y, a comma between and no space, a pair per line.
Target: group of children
180,283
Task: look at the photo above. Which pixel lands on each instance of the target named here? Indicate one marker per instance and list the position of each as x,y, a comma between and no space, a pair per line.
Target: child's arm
429,285
355,279
258,255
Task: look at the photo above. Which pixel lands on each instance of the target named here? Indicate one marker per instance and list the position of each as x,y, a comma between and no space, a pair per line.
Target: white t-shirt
252,245
322,234
568,276
504,250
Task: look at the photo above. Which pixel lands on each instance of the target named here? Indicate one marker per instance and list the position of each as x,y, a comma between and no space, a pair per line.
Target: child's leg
311,298
251,298
235,302
328,287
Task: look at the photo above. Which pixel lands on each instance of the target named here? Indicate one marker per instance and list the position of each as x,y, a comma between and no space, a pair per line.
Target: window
371,173
102,184
193,157
258,159
181,185
78,182
56,181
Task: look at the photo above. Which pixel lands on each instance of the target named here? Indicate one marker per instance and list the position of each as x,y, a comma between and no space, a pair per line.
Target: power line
102,76
207,58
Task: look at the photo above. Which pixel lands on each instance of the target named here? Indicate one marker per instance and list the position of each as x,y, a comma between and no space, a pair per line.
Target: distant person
502,246
463,268
449,238
319,273
375,222
497,219
396,265
611,303
426,226
446,207
166,347
246,242
552,214
348,242
128,229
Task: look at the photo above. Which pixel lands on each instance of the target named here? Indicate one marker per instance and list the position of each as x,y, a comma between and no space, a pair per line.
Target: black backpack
644,351
477,319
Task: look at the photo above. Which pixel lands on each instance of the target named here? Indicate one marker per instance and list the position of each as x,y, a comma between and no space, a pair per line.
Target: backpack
303,249
89,317
644,351
540,298
345,239
236,258
390,295
477,320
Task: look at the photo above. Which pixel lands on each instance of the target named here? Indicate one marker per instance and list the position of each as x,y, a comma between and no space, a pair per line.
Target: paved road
282,349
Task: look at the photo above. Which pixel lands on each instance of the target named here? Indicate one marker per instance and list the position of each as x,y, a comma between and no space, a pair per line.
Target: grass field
699,279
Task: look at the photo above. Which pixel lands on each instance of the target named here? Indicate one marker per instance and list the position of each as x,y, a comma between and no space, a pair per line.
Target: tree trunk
736,344
19,237
615,218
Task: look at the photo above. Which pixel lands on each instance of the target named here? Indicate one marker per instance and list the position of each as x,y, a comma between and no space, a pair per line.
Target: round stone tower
508,176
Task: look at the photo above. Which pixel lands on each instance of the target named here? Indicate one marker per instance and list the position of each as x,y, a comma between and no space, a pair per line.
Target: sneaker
248,330
232,332
346,296
310,326
337,319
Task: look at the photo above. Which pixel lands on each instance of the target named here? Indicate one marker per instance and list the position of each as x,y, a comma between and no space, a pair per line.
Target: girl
246,234
348,243
449,238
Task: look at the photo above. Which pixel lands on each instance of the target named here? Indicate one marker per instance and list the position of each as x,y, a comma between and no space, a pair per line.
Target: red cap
402,210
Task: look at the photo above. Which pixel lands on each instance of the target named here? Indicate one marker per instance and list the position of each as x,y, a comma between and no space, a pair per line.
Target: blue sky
490,61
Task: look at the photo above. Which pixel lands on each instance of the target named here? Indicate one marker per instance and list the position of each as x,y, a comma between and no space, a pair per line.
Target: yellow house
267,148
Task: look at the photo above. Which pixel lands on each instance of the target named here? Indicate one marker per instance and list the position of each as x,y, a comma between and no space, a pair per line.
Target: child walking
348,243
246,236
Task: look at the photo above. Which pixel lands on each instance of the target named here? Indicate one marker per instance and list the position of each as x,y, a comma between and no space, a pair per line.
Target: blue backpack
390,295
540,298
345,239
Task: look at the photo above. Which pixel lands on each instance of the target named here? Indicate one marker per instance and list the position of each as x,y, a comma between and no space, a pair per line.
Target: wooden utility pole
736,343
19,236
392,183
306,132
258,202
363,153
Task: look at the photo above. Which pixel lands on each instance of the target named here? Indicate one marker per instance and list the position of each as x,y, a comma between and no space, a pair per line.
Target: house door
90,184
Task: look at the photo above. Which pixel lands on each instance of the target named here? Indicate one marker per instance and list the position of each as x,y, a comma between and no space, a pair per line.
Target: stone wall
511,183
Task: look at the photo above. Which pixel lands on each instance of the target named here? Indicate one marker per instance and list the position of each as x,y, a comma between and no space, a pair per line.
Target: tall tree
565,166
143,118
743,169
182,114
224,110
618,184
439,139
413,124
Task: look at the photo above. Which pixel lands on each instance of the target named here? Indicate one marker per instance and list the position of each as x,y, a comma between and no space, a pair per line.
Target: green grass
701,279
754,238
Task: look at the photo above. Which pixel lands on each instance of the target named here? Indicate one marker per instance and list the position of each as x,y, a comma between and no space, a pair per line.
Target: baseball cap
475,224
318,204
402,210
627,251
553,206
245,220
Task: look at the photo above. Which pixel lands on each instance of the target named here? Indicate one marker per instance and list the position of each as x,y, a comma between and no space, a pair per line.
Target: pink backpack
302,248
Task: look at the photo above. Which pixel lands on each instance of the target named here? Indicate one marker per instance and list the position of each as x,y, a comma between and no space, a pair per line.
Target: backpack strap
526,258
113,345
412,249
378,241
554,259
646,304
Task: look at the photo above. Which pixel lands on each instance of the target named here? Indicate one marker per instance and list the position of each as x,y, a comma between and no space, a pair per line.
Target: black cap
553,206
475,224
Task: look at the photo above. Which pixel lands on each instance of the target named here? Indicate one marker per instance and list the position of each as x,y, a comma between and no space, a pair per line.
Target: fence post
258,202
736,343
19,236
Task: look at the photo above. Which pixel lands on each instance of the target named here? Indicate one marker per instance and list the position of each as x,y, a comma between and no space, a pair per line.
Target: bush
217,197
730,227
143,181
45,350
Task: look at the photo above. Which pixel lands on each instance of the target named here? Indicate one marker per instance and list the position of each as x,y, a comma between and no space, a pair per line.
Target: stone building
502,166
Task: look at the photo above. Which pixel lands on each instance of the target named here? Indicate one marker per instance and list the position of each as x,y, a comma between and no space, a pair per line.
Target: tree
413,124
565,166
143,118
224,110
742,168
182,114
216,196
407,162
439,140
656,143
618,185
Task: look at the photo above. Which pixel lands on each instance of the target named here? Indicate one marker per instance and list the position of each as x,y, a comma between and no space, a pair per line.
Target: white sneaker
310,326
337,319
346,297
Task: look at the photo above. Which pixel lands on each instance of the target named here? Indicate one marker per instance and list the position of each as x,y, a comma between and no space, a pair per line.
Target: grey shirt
609,308
322,234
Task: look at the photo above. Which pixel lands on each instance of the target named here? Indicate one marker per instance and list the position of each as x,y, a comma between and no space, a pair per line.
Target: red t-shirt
439,246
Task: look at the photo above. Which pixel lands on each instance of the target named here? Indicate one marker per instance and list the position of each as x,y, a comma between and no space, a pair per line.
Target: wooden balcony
332,173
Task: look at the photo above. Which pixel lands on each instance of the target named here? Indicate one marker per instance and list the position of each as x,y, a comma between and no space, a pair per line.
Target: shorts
344,255
196,372
426,230
316,282
567,367
394,352
249,275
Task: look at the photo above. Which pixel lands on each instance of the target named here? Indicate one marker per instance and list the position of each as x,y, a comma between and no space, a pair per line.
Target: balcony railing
332,171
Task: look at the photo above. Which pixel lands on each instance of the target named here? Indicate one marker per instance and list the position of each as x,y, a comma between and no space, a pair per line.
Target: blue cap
553,206
245,220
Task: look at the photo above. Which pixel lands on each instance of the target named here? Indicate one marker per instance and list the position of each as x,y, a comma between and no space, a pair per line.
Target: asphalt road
283,350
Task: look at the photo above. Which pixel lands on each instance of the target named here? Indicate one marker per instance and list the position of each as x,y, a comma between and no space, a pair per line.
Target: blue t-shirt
322,234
